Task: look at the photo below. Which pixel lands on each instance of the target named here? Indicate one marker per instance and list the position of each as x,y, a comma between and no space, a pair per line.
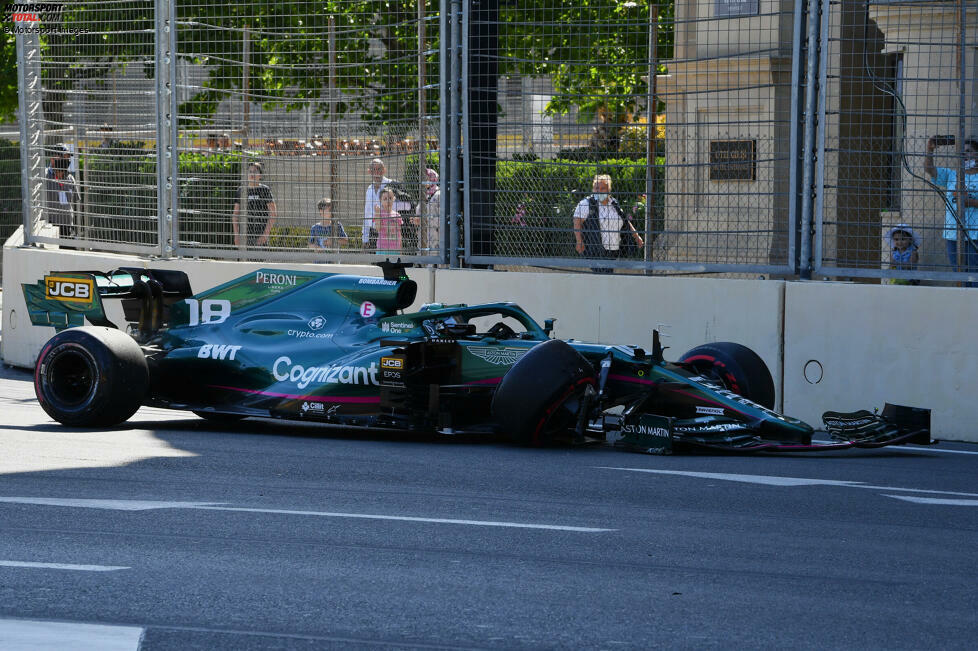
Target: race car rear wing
64,299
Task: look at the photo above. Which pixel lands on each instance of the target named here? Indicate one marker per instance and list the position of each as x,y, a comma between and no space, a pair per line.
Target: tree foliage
595,52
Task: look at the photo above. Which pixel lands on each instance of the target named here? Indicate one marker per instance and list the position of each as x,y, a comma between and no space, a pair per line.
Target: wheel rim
71,377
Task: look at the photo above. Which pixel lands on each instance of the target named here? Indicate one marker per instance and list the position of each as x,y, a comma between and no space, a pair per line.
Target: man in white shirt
599,224
378,182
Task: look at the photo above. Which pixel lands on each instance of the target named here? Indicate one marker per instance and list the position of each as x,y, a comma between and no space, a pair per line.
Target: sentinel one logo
77,290
284,370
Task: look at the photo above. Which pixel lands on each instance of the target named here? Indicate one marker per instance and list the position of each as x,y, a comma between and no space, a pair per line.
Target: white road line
909,448
143,505
24,635
64,566
769,480
934,500
114,505
404,518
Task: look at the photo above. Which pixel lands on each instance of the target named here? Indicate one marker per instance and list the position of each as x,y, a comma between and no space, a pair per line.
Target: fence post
962,20
167,128
808,149
821,88
31,129
652,130
465,133
794,154
454,133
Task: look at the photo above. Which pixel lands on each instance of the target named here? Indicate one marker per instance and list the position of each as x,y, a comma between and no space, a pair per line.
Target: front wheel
540,396
735,367
91,377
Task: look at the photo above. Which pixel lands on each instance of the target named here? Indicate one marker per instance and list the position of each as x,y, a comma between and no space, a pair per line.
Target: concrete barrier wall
625,309
863,345
883,343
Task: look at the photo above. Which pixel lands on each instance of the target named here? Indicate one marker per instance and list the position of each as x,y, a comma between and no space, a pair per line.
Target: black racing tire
529,405
91,376
736,367
216,417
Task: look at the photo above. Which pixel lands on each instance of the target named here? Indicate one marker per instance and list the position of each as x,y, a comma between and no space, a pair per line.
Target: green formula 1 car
338,349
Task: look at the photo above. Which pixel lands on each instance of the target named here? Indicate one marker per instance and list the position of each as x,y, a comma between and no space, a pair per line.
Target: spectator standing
262,211
599,224
429,214
60,192
378,181
326,233
962,202
388,224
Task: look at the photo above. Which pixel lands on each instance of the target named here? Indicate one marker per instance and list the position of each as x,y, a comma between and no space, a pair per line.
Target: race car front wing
653,434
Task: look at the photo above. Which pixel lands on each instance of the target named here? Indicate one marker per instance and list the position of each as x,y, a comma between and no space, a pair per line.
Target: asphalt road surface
173,533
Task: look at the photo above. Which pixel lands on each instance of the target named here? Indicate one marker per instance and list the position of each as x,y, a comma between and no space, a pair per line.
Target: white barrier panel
21,342
616,309
865,345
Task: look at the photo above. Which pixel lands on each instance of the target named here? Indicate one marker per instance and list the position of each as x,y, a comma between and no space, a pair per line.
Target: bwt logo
79,290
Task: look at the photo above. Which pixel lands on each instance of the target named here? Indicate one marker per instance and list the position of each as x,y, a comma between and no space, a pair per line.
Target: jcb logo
79,290
392,362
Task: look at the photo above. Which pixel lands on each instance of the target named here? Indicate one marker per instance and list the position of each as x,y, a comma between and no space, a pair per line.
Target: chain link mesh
695,110
312,96
899,75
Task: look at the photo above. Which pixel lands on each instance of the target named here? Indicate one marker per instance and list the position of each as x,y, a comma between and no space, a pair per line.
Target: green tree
595,53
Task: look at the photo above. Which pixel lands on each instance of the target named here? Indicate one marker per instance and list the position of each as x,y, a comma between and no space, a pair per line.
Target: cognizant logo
284,371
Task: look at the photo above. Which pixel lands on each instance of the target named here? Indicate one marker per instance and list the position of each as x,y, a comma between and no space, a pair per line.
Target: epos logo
78,290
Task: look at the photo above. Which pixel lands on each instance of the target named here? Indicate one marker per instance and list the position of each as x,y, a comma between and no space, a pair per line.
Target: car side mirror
548,326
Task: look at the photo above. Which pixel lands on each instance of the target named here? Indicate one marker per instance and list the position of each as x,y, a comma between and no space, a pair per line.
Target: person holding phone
962,201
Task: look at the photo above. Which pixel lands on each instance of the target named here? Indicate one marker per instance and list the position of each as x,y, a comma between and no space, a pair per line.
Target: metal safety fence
11,205
745,136
899,127
245,131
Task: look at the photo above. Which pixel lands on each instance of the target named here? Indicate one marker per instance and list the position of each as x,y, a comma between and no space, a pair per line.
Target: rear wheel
540,396
735,367
91,377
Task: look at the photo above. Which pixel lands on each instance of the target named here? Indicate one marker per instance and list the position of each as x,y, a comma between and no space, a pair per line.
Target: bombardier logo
284,370
76,290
